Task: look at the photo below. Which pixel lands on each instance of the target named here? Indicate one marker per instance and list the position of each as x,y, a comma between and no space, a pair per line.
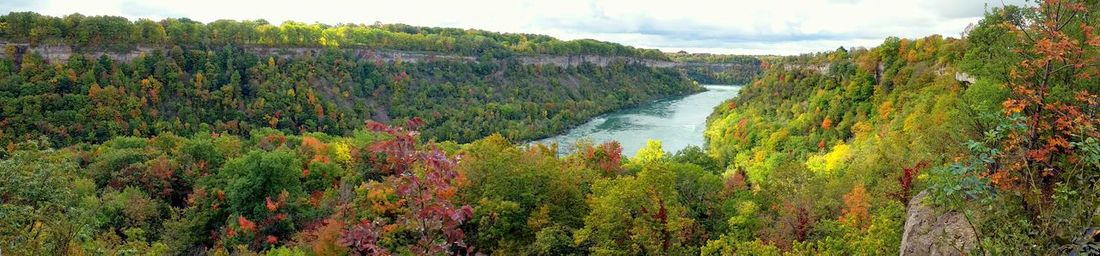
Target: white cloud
755,27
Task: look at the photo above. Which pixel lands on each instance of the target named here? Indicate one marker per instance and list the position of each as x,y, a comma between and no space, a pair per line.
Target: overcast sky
731,26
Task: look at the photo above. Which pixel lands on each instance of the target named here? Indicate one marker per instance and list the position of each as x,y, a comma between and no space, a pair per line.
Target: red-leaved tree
421,205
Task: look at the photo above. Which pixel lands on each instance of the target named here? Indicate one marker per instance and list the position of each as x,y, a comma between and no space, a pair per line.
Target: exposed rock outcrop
59,53
932,232
819,68
965,78
575,60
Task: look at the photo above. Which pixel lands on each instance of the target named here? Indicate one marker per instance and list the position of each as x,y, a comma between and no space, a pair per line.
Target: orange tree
1042,160
1054,91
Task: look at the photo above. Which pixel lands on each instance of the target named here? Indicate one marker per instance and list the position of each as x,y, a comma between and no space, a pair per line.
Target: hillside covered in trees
121,34
718,68
204,78
1000,126
819,155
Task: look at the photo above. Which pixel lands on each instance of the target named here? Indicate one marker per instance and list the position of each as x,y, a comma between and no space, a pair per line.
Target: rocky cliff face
701,71
56,53
60,53
931,232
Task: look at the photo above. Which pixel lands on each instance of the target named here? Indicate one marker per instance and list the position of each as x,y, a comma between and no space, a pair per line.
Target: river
676,122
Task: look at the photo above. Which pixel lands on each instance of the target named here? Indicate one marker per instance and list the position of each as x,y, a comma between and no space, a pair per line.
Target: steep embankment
831,142
109,77
737,71
304,89
1007,153
718,68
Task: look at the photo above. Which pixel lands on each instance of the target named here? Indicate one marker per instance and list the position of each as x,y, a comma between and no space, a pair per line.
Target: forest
190,88
210,149
120,34
999,126
709,68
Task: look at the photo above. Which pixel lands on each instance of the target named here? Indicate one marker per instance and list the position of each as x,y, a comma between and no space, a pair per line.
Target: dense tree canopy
207,148
118,33
187,89
836,143
719,68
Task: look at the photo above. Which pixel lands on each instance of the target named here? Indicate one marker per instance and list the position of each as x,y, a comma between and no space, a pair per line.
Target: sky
733,26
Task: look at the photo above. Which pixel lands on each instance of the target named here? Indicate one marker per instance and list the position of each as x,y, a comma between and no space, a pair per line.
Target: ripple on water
676,122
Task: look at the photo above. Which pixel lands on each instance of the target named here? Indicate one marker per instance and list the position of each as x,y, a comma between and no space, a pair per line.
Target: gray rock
965,78
930,232
61,53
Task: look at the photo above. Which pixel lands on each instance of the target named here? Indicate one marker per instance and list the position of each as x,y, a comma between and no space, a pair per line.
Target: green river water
676,122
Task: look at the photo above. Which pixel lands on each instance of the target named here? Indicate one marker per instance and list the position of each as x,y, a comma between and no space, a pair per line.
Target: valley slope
207,144
87,79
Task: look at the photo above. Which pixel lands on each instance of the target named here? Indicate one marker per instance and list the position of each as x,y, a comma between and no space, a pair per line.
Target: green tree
637,215
40,211
258,176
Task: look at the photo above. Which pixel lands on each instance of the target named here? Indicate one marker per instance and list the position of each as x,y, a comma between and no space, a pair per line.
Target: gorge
124,135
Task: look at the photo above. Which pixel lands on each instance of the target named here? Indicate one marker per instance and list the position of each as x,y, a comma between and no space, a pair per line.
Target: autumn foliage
856,204
906,179
820,155
422,186
606,157
1052,101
